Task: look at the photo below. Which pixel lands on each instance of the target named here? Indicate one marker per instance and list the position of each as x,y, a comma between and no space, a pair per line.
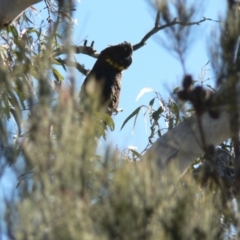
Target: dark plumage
217,166
101,88
224,162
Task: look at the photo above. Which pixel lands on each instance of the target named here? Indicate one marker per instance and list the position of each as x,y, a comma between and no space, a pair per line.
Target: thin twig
157,28
157,19
76,49
76,65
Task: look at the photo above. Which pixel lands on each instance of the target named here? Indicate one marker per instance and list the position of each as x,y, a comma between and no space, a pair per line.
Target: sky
109,22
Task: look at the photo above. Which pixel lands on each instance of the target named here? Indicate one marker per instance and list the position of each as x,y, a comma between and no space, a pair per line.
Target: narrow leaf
135,112
157,113
135,120
151,102
209,86
57,75
13,30
108,120
150,108
135,153
59,61
143,91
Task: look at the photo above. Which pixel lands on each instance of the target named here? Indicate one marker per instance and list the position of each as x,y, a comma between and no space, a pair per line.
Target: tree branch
182,144
157,28
76,65
9,10
76,49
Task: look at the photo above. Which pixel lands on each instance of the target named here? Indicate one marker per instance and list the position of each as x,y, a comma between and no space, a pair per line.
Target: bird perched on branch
101,88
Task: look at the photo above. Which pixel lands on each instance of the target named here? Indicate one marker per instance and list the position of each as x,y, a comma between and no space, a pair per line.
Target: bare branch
157,28
76,49
76,65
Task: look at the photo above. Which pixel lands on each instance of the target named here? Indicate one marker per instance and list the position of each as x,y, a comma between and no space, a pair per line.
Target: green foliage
75,195
162,115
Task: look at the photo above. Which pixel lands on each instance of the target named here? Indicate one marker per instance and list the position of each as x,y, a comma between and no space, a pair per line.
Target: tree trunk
11,9
183,143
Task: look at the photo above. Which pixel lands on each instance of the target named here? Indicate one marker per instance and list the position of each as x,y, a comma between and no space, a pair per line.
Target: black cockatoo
101,88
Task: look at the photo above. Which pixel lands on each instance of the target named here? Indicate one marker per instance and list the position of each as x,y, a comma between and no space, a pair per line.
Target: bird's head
119,56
